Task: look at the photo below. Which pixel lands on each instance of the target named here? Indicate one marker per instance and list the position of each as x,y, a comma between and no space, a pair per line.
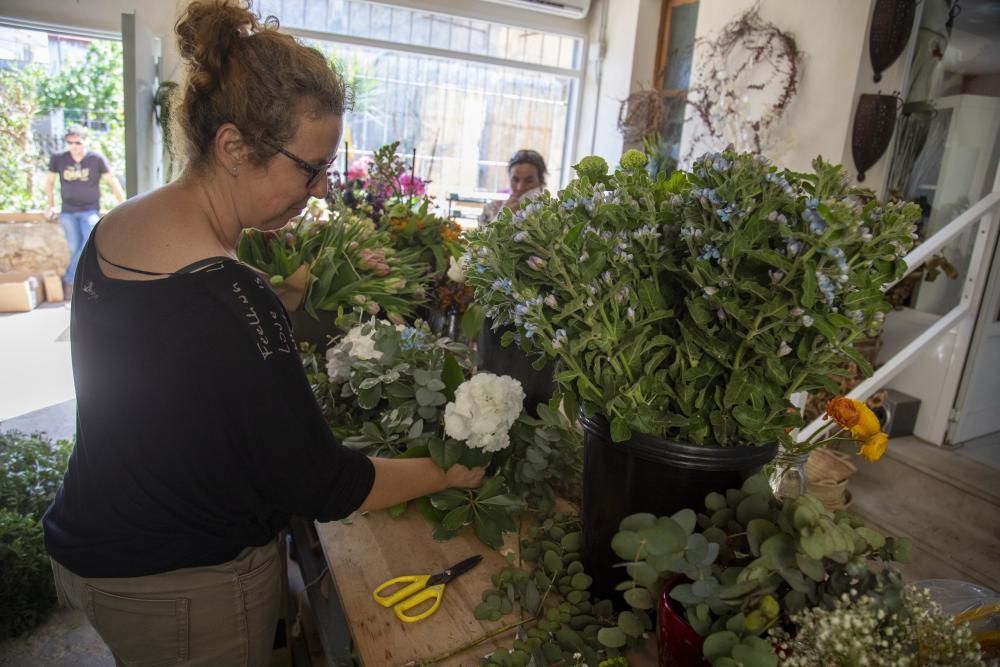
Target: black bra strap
190,268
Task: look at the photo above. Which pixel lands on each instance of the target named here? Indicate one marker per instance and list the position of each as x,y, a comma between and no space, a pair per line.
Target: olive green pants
222,615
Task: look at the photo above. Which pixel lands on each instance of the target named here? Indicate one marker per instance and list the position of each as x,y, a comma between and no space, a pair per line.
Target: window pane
421,28
463,118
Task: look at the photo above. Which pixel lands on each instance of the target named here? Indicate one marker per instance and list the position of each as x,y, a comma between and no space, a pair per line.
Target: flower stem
482,640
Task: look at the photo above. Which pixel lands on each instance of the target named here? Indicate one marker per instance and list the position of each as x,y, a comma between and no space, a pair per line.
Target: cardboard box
20,292
53,286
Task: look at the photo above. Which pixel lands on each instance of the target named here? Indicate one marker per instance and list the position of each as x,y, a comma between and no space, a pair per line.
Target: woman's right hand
458,476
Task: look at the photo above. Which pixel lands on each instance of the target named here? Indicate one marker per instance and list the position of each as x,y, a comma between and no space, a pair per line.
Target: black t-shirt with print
197,432
80,182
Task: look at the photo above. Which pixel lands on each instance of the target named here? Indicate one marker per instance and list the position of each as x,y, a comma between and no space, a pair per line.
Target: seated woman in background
527,173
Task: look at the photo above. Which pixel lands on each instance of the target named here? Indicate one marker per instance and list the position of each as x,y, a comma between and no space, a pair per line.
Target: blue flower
521,236
709,252
502,284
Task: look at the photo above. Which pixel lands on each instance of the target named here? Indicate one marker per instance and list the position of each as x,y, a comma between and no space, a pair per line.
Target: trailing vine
749,54
559,623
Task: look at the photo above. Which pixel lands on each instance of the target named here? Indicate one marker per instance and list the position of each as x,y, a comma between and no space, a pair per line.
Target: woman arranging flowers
198,435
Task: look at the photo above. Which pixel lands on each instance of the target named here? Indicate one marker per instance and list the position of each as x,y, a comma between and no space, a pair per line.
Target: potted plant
745,564
683,312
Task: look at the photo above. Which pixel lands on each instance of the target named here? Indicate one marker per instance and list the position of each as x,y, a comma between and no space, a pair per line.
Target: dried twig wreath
750,55
645,111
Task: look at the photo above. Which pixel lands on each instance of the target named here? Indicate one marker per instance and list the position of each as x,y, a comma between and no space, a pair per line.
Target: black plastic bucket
308,329
538,385
648,474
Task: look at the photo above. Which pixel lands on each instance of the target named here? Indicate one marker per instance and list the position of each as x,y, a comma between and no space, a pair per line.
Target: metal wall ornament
874,123
892,23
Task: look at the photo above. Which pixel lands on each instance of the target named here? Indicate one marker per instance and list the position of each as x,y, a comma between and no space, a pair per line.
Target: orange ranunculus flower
843,410
854,415
874,447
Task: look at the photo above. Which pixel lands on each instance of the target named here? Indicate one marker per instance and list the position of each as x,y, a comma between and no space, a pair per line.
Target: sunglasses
74,143
312,170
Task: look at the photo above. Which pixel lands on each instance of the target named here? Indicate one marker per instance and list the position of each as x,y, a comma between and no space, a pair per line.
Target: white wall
832,37
628,30
104,18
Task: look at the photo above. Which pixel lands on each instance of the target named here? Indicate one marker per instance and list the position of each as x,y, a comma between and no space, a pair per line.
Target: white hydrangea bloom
338,365
483,411
354,345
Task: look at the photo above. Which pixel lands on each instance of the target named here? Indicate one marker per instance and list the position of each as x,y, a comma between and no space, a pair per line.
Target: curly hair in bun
240,69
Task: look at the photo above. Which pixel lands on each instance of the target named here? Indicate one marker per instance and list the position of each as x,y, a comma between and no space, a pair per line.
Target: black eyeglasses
311,169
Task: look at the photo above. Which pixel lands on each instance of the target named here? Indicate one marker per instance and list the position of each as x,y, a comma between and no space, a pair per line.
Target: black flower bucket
648,474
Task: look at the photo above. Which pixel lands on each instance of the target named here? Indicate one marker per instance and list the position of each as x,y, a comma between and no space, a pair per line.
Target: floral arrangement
398,390
751,562
336,260
895,627
385,189
693,307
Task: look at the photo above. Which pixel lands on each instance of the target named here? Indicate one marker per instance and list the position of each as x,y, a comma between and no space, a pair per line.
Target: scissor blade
455,571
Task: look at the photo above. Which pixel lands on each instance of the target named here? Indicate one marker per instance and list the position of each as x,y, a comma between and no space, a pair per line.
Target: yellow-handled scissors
420,588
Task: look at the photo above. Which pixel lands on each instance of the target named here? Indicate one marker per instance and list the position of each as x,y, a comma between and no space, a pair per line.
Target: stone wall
32,246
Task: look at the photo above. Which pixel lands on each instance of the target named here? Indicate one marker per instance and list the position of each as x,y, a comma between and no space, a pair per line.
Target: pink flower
373,308
375,260
358,171
411,185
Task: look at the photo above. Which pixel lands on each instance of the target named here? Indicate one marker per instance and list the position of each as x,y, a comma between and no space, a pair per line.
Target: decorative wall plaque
874,122
892,22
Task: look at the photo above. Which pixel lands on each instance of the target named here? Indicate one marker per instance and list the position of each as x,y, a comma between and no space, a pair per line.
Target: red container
677,644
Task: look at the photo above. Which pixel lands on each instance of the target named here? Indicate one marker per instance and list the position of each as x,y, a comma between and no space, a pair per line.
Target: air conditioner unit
574,9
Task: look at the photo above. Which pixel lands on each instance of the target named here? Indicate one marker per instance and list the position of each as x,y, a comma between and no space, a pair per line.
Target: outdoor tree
18,105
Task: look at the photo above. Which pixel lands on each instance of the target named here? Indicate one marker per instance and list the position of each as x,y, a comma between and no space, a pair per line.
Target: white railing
985,213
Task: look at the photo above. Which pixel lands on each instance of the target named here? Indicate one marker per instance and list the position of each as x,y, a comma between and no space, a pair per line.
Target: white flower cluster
484,409
859,631
353,346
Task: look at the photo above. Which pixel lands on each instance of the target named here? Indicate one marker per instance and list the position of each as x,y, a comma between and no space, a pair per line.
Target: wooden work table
368,549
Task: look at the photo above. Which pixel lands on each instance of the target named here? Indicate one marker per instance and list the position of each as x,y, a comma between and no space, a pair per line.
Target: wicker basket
827,472
827,464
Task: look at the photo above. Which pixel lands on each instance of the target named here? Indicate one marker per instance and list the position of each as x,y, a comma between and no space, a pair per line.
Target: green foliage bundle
392,391
692,307
345,262
753,562
559,622
31,470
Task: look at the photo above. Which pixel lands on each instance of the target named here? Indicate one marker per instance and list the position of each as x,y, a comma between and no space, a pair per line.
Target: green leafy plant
403,391
752,562
21,173
692,307
31,470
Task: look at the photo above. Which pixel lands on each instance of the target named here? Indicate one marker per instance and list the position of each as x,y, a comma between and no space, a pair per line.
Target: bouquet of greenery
402,391
335,261
692,307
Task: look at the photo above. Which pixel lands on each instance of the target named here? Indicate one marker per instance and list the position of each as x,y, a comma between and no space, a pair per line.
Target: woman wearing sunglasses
197,432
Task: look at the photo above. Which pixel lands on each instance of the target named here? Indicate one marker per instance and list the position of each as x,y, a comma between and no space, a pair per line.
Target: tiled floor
35,358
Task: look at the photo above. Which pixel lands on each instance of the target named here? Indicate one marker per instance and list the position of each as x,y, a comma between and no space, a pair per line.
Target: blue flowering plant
403,391
692,306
